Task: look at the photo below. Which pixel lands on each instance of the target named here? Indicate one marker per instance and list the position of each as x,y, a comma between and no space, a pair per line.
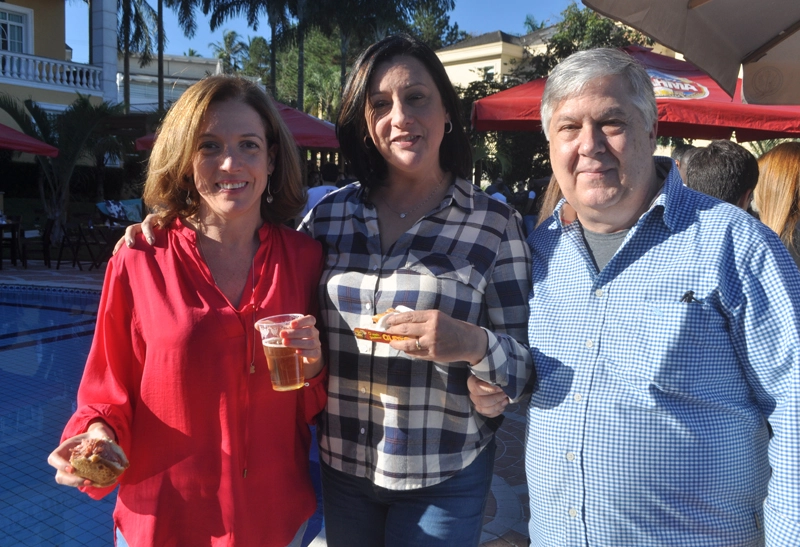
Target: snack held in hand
380,318
99,460
376,333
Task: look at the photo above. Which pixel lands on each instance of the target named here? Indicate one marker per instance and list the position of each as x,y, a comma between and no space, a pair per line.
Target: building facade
491,56
35,62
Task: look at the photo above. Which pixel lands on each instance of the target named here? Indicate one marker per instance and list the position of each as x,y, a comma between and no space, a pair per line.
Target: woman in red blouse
176,374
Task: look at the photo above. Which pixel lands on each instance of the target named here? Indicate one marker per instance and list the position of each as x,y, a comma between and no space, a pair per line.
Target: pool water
45,336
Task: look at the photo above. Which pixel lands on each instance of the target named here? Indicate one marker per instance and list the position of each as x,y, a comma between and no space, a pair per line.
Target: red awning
308,131
690,105
12,139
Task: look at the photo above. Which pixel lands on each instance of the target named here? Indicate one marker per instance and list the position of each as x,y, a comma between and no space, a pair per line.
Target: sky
473,16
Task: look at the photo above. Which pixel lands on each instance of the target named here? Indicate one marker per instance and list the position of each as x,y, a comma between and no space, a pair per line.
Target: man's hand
489,400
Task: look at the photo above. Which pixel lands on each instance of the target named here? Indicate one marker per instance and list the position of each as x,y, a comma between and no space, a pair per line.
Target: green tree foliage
322,93
69,131
579,29
230,50
431,24
255,58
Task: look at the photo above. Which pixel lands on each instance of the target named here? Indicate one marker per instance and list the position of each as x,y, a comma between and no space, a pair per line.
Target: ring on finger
418,346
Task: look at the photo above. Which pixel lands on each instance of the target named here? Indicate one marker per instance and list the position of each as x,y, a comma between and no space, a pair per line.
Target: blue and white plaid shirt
399,421
666,406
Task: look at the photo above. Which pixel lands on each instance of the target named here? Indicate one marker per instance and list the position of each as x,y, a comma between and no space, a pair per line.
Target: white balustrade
63,74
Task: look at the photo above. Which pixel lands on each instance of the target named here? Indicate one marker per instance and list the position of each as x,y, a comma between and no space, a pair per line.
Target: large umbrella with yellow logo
719,36
690,105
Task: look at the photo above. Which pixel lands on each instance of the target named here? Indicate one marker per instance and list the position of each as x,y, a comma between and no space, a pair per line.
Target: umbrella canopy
690,105
12,139
308,131
720,35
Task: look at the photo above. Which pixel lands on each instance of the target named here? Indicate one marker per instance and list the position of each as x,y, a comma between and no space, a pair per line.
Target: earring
450,130
367,140
269,194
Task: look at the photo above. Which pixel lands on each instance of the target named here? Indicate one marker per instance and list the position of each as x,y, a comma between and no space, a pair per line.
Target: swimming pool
45,336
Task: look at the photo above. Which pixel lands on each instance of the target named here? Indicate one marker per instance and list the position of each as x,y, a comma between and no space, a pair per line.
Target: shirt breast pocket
669,344
451,284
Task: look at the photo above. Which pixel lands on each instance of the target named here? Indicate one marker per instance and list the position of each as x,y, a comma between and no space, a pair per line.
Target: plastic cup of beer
285,366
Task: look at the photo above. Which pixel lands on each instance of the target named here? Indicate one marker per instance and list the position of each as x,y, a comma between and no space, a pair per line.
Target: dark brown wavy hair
455,154
170,189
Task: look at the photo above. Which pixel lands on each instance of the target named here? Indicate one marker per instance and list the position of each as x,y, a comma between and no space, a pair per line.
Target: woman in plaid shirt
405,458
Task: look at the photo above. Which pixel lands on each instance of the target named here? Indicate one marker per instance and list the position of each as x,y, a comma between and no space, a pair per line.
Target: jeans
359,513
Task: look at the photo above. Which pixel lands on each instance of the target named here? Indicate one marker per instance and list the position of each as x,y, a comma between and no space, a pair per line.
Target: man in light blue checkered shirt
665,331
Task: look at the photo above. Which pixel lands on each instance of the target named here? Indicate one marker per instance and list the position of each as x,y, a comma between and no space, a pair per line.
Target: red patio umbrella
690,105
12,139
308,131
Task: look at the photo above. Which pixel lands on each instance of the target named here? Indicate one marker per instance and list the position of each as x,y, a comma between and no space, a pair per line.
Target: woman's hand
488,399
304,336
59,458
438,337
146,227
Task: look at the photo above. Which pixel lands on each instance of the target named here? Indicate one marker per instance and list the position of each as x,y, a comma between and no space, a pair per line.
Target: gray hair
571,76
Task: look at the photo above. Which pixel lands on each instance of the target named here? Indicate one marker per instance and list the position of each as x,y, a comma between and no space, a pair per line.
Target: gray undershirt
603,246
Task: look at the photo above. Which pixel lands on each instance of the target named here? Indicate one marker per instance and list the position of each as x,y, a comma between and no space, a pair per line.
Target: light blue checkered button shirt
661,416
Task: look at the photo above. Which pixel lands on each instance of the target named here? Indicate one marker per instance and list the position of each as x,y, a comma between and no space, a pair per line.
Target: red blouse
217,457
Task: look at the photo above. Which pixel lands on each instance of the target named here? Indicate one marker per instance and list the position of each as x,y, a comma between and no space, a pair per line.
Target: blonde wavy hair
777,194
170,190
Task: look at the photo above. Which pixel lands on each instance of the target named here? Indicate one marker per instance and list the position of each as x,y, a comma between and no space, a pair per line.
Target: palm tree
300,9
255,58
191,53
137,22
275,10
230,50
68,131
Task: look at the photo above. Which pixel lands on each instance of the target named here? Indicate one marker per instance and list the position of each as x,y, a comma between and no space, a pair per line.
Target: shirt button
363,430
363,390
570,456
599,293
578,397
374,268
589,343
368,306
573,513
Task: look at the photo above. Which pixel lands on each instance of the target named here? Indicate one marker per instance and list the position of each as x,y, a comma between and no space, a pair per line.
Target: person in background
677,156
176,374
777,195
665,332
329,174
405,458
686,159
724,170
498,190
527,205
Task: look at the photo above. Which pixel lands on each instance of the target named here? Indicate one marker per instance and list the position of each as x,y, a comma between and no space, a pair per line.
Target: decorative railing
22,68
